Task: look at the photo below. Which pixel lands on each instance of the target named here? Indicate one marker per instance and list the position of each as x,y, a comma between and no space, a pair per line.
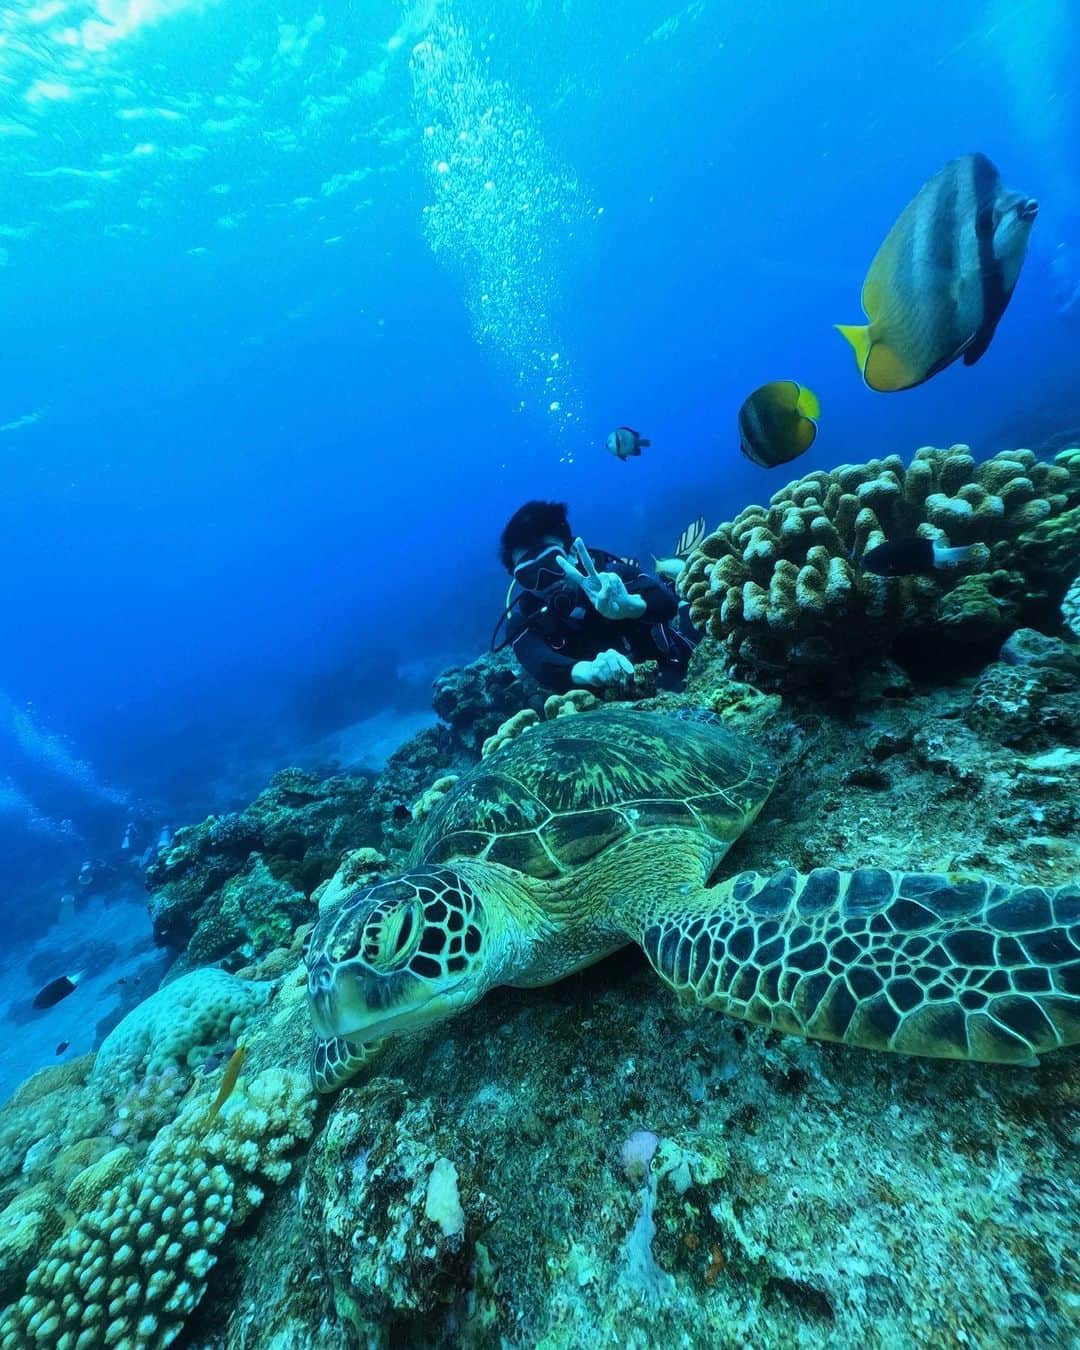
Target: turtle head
397,956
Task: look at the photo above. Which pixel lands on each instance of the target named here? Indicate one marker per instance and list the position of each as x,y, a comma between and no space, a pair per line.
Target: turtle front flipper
334,1060
952,966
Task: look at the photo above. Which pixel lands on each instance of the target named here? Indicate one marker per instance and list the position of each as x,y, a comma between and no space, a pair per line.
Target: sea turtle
591,832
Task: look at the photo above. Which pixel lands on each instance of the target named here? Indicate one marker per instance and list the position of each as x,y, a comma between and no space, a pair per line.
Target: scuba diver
582,617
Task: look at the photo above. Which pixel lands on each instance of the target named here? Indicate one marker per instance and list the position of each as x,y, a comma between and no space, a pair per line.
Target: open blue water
301,301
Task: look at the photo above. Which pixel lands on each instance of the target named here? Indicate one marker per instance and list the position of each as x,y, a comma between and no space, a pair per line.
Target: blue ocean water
301,302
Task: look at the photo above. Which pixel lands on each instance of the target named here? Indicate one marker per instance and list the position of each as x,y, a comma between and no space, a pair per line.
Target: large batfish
940,282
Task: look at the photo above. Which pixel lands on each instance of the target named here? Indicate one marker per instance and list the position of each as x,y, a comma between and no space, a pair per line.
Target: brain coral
182,1025
780,586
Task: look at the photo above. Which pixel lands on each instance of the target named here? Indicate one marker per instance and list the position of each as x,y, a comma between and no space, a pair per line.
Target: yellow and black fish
940,282
778,422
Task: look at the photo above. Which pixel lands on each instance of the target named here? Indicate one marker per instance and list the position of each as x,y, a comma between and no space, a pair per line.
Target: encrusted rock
475,699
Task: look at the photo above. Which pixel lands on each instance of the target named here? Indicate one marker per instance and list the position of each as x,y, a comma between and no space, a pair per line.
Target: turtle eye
390,934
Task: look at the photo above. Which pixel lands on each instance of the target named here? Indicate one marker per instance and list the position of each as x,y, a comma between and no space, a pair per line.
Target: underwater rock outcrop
473,700
781,588
592,1160
234,887
396,1209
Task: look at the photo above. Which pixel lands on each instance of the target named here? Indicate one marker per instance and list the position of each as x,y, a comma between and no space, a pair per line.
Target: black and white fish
672,568
57,990
778,422
914,556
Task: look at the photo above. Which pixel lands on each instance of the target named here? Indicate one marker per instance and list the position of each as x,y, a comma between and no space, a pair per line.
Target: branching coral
781,588
136,1261
256,1131
132,1268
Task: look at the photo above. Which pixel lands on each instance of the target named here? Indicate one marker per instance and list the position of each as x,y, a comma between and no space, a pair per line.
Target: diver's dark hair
528,527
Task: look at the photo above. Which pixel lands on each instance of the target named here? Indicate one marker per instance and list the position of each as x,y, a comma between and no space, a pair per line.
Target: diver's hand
609,668
605,591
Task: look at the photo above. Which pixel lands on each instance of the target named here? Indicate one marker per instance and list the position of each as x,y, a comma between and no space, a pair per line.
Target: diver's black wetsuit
552,631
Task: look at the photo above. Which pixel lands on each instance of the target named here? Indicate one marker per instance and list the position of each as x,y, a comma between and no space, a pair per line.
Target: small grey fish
624,443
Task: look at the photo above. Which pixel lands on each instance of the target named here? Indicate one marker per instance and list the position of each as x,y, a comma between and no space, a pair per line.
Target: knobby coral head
782,588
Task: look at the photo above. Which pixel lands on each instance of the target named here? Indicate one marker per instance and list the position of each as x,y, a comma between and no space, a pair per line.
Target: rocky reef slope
591,1163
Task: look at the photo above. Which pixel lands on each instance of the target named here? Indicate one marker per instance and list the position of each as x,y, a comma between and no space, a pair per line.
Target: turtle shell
562,791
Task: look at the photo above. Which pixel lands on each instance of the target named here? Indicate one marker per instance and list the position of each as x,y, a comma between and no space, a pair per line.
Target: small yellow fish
228,1082
943,276
778,422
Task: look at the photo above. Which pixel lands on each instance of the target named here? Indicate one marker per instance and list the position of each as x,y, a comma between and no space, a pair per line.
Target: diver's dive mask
542,571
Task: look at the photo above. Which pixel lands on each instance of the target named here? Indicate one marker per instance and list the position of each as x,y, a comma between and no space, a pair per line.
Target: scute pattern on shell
552,800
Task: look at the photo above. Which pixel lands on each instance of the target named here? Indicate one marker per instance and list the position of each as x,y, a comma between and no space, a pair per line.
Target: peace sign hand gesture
605,591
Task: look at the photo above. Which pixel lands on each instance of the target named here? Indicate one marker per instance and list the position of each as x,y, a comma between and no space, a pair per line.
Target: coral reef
42,1124
594,1162
660,1174
431,797
28,1226
197,1016
1070,608
781,588
474,699
118,1251
234,887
